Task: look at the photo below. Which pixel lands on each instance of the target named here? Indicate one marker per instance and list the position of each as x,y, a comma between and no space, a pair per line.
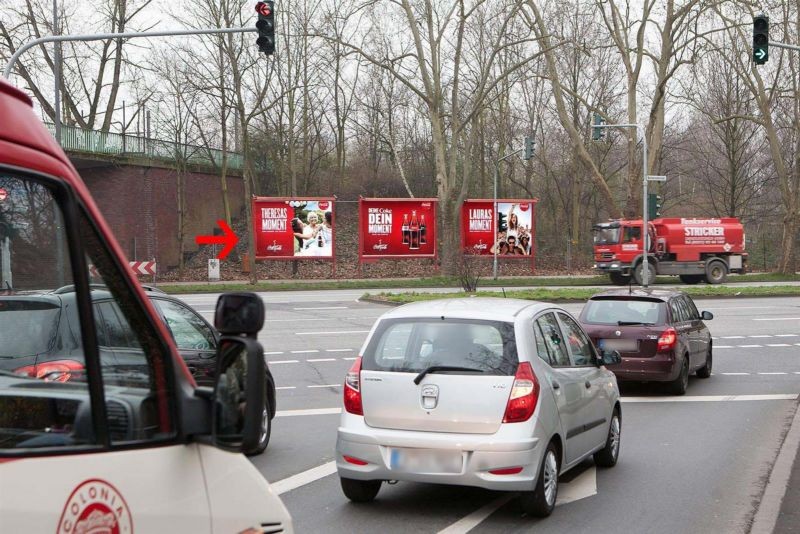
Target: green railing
75,139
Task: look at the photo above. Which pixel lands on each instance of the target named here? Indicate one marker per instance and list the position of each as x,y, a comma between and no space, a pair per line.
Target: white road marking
350,359
283,361
779,345
325,386
301,479
467,523
778,373
338,350
324,308
724,347
732,337
313,411
285,387
762,335
749,346
322,360
735,374
711,398
778,319
331,332
274,352
312,351
785,335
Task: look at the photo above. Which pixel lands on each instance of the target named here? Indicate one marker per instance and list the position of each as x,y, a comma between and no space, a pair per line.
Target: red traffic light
263,9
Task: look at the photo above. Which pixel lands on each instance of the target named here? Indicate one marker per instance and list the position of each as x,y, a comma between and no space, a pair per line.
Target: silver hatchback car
501,394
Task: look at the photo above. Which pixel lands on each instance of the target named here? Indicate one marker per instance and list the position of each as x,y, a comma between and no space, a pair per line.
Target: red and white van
93,442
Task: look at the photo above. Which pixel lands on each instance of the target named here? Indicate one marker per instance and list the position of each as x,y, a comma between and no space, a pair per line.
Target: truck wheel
638,273
619,279
691,279
716,272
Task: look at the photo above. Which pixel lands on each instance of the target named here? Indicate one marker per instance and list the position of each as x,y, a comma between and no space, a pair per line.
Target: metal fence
75,139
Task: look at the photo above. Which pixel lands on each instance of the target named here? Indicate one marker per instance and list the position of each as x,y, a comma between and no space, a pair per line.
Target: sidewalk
789,516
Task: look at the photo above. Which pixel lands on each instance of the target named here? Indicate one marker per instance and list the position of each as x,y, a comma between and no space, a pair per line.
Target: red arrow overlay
229,240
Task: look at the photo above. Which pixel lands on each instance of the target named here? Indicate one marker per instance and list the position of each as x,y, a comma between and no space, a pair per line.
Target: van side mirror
707,315
610,357
239,394
239,313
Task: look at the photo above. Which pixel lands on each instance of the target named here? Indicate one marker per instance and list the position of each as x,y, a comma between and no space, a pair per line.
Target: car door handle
556,385
587,384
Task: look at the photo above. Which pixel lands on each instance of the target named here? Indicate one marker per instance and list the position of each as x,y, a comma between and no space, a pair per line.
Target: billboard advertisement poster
397,228
293,228
510,231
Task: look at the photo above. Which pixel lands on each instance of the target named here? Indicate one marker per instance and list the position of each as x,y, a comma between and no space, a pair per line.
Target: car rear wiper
634,323
437,368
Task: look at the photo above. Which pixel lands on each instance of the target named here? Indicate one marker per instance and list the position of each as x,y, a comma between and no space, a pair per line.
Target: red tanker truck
693,249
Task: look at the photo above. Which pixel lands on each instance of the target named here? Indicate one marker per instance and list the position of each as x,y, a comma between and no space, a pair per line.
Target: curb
769,508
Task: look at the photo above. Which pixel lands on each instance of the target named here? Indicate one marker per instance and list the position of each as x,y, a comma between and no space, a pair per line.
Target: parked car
501,394
51,350
659,333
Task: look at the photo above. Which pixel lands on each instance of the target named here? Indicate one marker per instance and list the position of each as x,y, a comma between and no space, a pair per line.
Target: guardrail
74,139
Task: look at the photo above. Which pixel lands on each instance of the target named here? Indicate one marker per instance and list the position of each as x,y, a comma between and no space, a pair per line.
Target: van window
412,345
632,233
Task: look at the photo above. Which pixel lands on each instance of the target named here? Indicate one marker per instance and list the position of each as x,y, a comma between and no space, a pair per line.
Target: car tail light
524,395
353,460
506,471
667,340
352,389
55,371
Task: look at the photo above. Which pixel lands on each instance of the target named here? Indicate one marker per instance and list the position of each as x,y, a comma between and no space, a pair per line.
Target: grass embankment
436,281
582,294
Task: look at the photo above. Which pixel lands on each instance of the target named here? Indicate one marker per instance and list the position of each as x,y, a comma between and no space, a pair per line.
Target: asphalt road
693,464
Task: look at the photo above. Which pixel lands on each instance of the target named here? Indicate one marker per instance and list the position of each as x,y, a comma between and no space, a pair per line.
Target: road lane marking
779,345
311,351
331,332
322,360
778,373
735,374
761,335
274,352
325,386
769,506
732,337
286,387
283,361
351,359
778,319
301,479
785,335
748,346
724,347
338,350
711,398
324,308
467,523
311,411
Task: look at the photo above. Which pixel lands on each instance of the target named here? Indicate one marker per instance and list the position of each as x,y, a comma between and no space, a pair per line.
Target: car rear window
413,345
29,327
624,310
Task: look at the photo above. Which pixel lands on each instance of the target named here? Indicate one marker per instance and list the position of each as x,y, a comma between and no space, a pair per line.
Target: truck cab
617,244
102,440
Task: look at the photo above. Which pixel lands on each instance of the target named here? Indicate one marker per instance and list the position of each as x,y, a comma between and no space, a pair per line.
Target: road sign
143,267
229,240
656,178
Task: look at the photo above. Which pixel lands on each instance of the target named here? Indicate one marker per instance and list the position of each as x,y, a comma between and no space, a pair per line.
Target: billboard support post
494,196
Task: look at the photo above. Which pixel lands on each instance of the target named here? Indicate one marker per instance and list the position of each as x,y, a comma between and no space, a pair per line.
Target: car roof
481,308
660,294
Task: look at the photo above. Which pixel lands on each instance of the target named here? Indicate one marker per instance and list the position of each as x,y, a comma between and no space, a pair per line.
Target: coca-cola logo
274,247
480,246
324,205
95,507
426,205
380,246
524,207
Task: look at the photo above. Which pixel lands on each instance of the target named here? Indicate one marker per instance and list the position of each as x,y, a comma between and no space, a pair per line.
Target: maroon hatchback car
659,334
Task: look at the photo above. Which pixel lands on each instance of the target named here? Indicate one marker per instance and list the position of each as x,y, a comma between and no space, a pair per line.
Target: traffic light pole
101,36
786,46
496,176
645,178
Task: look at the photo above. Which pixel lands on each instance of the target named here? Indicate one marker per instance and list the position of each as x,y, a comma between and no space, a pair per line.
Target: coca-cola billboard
293,228
510,231
397,228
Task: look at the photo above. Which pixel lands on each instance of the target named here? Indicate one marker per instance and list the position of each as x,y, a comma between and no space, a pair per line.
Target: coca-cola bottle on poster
406,233
422,239
414,231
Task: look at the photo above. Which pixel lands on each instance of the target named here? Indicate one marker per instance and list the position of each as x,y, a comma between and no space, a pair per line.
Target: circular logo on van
95,507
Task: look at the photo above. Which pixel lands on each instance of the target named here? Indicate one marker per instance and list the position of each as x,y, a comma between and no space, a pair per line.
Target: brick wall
141,206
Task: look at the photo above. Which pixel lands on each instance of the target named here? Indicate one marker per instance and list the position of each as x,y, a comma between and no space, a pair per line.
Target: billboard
397,228
293,228
510,231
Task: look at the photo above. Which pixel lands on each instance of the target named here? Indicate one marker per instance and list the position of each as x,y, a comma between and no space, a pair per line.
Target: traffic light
530,144
760,39
266,27
654,204
502,225
597,132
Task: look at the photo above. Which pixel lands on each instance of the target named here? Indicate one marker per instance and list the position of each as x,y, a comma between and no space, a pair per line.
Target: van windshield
604,235
413,345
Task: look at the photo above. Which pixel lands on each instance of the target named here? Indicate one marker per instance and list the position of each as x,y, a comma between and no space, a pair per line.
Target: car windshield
623,311
606,235
411,346
29,327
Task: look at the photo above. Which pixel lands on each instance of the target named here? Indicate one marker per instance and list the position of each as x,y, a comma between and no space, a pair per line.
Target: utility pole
56,75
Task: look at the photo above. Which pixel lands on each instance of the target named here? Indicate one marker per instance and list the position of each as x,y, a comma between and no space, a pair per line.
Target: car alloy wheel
550,478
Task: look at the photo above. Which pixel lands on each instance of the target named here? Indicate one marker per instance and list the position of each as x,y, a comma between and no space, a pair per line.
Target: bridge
134,181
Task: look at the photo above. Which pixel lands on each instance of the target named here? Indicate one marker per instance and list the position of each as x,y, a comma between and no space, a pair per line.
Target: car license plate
426,460
622,345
